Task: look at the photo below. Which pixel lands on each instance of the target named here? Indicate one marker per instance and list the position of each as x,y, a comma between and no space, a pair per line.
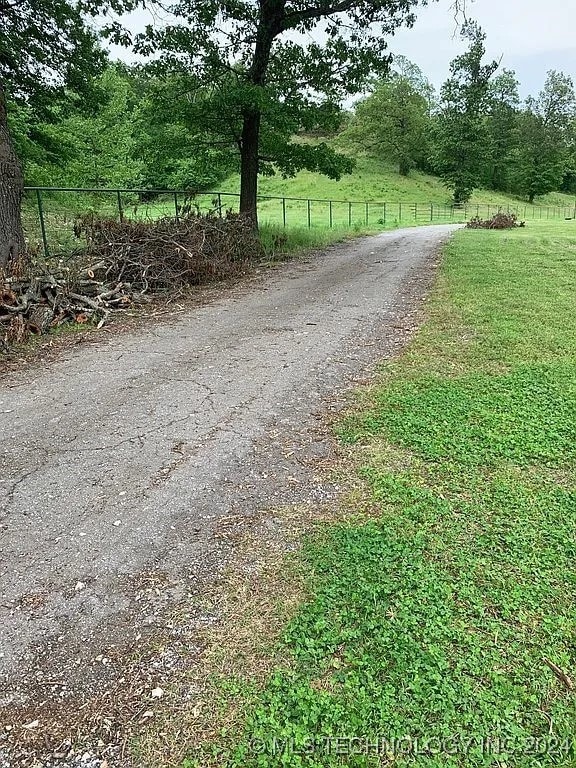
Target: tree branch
318,12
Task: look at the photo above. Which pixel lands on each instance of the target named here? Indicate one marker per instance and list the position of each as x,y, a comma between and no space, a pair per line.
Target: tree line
476,132
231,85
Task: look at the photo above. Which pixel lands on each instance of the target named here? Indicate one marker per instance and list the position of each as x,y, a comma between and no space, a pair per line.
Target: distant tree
569,180
271,75
501,130
394,119
100,145
45,48
545,135
179,145
461,140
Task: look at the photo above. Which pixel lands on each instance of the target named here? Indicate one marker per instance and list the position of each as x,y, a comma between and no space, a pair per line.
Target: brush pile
34,302
498,221
168,254
119,265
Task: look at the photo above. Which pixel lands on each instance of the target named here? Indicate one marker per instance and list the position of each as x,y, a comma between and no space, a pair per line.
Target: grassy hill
416,199
372,180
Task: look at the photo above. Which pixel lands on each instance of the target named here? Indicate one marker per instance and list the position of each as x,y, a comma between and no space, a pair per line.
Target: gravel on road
120,459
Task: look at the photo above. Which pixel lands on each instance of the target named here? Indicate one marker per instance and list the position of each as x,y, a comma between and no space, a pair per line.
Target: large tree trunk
11,191
249,166
270,24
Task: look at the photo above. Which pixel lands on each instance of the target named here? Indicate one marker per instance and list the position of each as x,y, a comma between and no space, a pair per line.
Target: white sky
531,36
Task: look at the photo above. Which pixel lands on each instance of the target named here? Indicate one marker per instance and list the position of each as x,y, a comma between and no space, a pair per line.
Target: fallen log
123,262
35,305
40,319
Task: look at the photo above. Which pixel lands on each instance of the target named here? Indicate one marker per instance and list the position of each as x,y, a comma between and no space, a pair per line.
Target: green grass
431,612
279,242
375,180
416,199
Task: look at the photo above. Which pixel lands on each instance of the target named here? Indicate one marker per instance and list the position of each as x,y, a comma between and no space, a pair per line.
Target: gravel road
125,454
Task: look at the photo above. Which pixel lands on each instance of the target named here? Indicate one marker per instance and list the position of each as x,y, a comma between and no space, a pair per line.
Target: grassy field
417,199
440,623
374,180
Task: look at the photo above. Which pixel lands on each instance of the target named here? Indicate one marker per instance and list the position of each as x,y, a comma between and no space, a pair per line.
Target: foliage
544,132
49,65
460,129
502,136
100,149
263,76
174,138
45,47
434,612
394,120
47,57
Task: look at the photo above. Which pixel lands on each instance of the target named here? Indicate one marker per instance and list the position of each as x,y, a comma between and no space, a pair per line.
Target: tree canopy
262,76
46,52
545,131
461,127
46,47
394,119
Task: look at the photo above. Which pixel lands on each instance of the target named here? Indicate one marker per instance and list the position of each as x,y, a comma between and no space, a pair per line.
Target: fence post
120,209
366,214
399,211
176,212
330,214
219,205
284,212
384,213
349,214
42,224
309,216
431,211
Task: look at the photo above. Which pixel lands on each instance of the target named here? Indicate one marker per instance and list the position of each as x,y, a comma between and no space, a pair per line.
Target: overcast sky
531,36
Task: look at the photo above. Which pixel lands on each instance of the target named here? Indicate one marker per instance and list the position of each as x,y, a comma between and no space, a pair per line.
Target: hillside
372,180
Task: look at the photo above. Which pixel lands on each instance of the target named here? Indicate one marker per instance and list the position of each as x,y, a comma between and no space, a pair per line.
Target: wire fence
50,213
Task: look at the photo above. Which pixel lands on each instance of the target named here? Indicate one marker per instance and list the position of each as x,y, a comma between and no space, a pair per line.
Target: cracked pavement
127,453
